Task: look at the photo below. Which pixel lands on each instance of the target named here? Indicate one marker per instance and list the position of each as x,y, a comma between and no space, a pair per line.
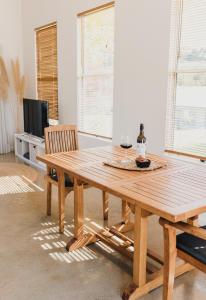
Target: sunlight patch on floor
52,243
80,255
14,185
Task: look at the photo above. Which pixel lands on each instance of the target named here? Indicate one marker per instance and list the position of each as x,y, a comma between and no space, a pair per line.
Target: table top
175,192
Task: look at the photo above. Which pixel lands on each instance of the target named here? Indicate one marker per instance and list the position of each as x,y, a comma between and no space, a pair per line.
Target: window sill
92,136
185,158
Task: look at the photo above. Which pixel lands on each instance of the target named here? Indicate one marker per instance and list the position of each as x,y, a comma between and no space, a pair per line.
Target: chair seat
193,246
68,182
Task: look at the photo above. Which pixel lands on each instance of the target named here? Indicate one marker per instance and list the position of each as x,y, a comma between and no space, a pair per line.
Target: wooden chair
63,138
190,246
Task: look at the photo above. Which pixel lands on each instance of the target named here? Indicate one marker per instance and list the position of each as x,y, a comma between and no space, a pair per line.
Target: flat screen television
35,116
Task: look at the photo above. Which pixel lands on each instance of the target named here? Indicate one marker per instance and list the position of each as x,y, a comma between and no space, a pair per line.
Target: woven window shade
95,71
186,116
47,80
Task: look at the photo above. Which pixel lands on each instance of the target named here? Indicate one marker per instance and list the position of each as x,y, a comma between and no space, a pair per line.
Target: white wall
11,48
10,29
141,69
141,62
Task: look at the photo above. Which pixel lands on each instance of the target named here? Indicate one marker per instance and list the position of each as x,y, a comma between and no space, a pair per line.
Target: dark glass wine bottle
141,137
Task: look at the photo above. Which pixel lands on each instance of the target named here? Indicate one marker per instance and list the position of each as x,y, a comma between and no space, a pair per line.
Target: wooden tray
131,165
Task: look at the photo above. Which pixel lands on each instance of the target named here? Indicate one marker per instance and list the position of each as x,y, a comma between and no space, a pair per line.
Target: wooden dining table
176,192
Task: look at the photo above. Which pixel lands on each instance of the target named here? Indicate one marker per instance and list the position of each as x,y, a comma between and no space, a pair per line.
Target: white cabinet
33,152
18,146
28,147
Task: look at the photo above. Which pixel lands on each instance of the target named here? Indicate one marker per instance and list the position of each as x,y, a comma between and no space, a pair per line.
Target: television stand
33,137
27,147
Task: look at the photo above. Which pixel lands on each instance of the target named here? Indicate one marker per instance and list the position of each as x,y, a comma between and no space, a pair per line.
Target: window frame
80,60
173,77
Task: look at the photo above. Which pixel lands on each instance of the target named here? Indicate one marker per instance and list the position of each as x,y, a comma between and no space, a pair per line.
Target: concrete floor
33,260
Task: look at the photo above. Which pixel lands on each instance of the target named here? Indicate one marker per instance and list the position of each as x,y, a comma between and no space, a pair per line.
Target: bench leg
61,199
49,190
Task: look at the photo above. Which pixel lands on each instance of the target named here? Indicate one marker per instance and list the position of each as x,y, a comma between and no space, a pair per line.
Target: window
186,117
95,71
46,59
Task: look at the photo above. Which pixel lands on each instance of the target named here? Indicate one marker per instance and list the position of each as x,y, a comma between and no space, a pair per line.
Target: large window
46,59
186,118
95,71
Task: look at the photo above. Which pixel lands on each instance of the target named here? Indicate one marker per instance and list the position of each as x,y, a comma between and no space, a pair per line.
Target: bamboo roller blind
47,77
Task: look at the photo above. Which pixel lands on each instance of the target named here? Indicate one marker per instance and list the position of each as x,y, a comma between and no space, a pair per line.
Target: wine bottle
141,144
141,138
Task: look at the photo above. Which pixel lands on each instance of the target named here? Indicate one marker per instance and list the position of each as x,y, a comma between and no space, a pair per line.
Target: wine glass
125,144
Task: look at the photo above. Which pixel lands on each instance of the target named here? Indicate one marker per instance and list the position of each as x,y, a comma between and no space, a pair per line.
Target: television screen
35,116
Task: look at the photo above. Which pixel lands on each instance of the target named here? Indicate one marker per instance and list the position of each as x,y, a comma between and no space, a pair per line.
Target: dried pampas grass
4,80
19,81
19,87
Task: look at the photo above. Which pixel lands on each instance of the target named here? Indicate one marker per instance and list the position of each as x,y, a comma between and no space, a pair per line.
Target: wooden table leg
140,286
80,239
140,246
78,209
105,199
126,211
194,221
140,252
61,198
125,225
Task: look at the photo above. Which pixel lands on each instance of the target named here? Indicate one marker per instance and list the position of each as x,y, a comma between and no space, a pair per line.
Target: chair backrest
61,138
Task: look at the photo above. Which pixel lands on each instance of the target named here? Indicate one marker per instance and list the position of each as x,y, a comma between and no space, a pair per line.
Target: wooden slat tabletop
175,192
